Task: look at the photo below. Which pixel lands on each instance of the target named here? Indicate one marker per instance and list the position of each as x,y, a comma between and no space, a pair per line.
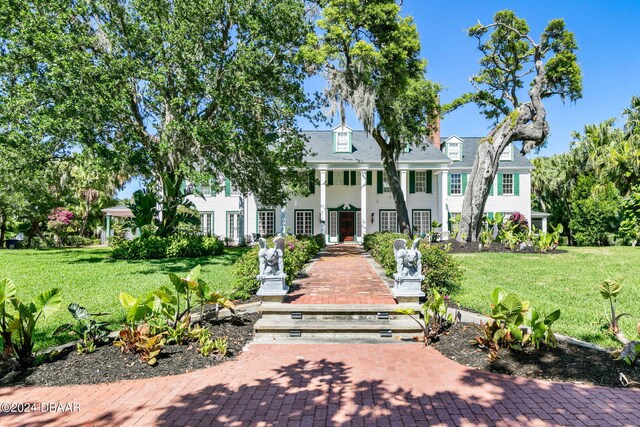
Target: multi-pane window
266,223
507,184
421,222
342,142
358,224
386,188
205,190
456,183
333,224
233,226
206,223
388,221
338,178
421,181
507,153
453,150
304,222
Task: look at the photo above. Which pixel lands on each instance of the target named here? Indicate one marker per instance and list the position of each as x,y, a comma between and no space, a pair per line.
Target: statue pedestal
407,289
272,288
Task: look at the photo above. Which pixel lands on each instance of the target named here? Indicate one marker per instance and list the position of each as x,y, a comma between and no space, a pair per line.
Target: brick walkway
341,276
387,384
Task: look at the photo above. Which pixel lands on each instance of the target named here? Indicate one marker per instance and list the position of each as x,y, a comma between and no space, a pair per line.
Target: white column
323,203
241,216
363,202
283,220
403,184
544,224
442,196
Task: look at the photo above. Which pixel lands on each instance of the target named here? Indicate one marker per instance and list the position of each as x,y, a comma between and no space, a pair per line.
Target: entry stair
335,323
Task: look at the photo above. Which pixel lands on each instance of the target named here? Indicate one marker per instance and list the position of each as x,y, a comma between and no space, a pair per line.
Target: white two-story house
350,195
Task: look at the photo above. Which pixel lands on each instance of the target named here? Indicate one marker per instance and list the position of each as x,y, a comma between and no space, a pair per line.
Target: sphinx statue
408,261
273,286
271,259
408,277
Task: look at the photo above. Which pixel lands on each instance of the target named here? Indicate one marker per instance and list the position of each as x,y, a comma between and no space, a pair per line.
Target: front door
347,224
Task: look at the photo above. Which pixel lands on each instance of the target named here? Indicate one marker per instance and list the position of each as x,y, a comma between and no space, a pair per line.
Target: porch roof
119,211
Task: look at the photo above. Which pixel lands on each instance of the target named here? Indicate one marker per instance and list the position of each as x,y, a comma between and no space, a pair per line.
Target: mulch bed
568,362
109,364
472,247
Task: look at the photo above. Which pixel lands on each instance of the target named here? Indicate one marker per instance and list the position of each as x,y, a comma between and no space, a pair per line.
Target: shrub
77,241
297,251
520,223
87,328
594,212
441,270
154,247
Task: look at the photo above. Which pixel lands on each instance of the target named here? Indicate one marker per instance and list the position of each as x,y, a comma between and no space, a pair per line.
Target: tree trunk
85,217
402,214
3,229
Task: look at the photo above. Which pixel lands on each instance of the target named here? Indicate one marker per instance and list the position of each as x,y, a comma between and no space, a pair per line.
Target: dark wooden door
347,224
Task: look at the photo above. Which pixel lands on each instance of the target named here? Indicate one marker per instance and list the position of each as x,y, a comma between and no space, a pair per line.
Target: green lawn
568,281
93,280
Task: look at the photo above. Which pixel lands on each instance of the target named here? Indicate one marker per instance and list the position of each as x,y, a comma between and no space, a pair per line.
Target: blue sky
609,55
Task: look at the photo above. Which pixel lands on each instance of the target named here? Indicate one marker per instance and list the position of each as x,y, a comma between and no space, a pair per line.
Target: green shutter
312,181
227,187
330,179
491,189
353,178
500,184
490,215
379,177
369,178
516,184
183,186
429,182
448,184
412,182
464,183
345,178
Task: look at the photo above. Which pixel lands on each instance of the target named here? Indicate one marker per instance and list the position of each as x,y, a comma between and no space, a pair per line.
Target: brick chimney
435,136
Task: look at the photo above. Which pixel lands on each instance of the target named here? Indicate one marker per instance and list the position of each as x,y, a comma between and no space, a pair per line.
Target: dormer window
453,148
342,139
507,154
342,142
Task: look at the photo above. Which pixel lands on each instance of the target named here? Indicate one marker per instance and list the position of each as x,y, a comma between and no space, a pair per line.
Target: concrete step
401,327
335,311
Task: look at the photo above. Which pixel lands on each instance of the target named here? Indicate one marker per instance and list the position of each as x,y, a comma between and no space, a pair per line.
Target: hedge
177,246
441,270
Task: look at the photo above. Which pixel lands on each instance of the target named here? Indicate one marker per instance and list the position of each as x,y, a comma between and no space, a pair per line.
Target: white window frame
386,187
388,221
338,178
342,142
207,223
333,224
421,182
266,224
457,185
458,147
505,184
423,227
233,229
304,222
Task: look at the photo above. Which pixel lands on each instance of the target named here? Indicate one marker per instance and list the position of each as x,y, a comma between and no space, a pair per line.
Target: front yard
568,281
92,279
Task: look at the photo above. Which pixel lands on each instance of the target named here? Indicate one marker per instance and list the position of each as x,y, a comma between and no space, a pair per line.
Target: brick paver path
341,276
332,384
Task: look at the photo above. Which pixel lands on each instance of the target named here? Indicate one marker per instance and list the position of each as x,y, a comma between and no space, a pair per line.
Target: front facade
350,195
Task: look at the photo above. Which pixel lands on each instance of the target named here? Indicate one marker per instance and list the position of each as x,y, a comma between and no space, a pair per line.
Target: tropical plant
610,289
25,319
540,325
141,341
87,328
7,295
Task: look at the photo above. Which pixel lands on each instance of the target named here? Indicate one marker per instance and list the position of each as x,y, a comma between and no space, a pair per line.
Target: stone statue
408,261
273,284
271,260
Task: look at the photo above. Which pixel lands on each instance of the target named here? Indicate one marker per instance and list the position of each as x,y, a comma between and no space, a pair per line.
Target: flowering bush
520,222
58,223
